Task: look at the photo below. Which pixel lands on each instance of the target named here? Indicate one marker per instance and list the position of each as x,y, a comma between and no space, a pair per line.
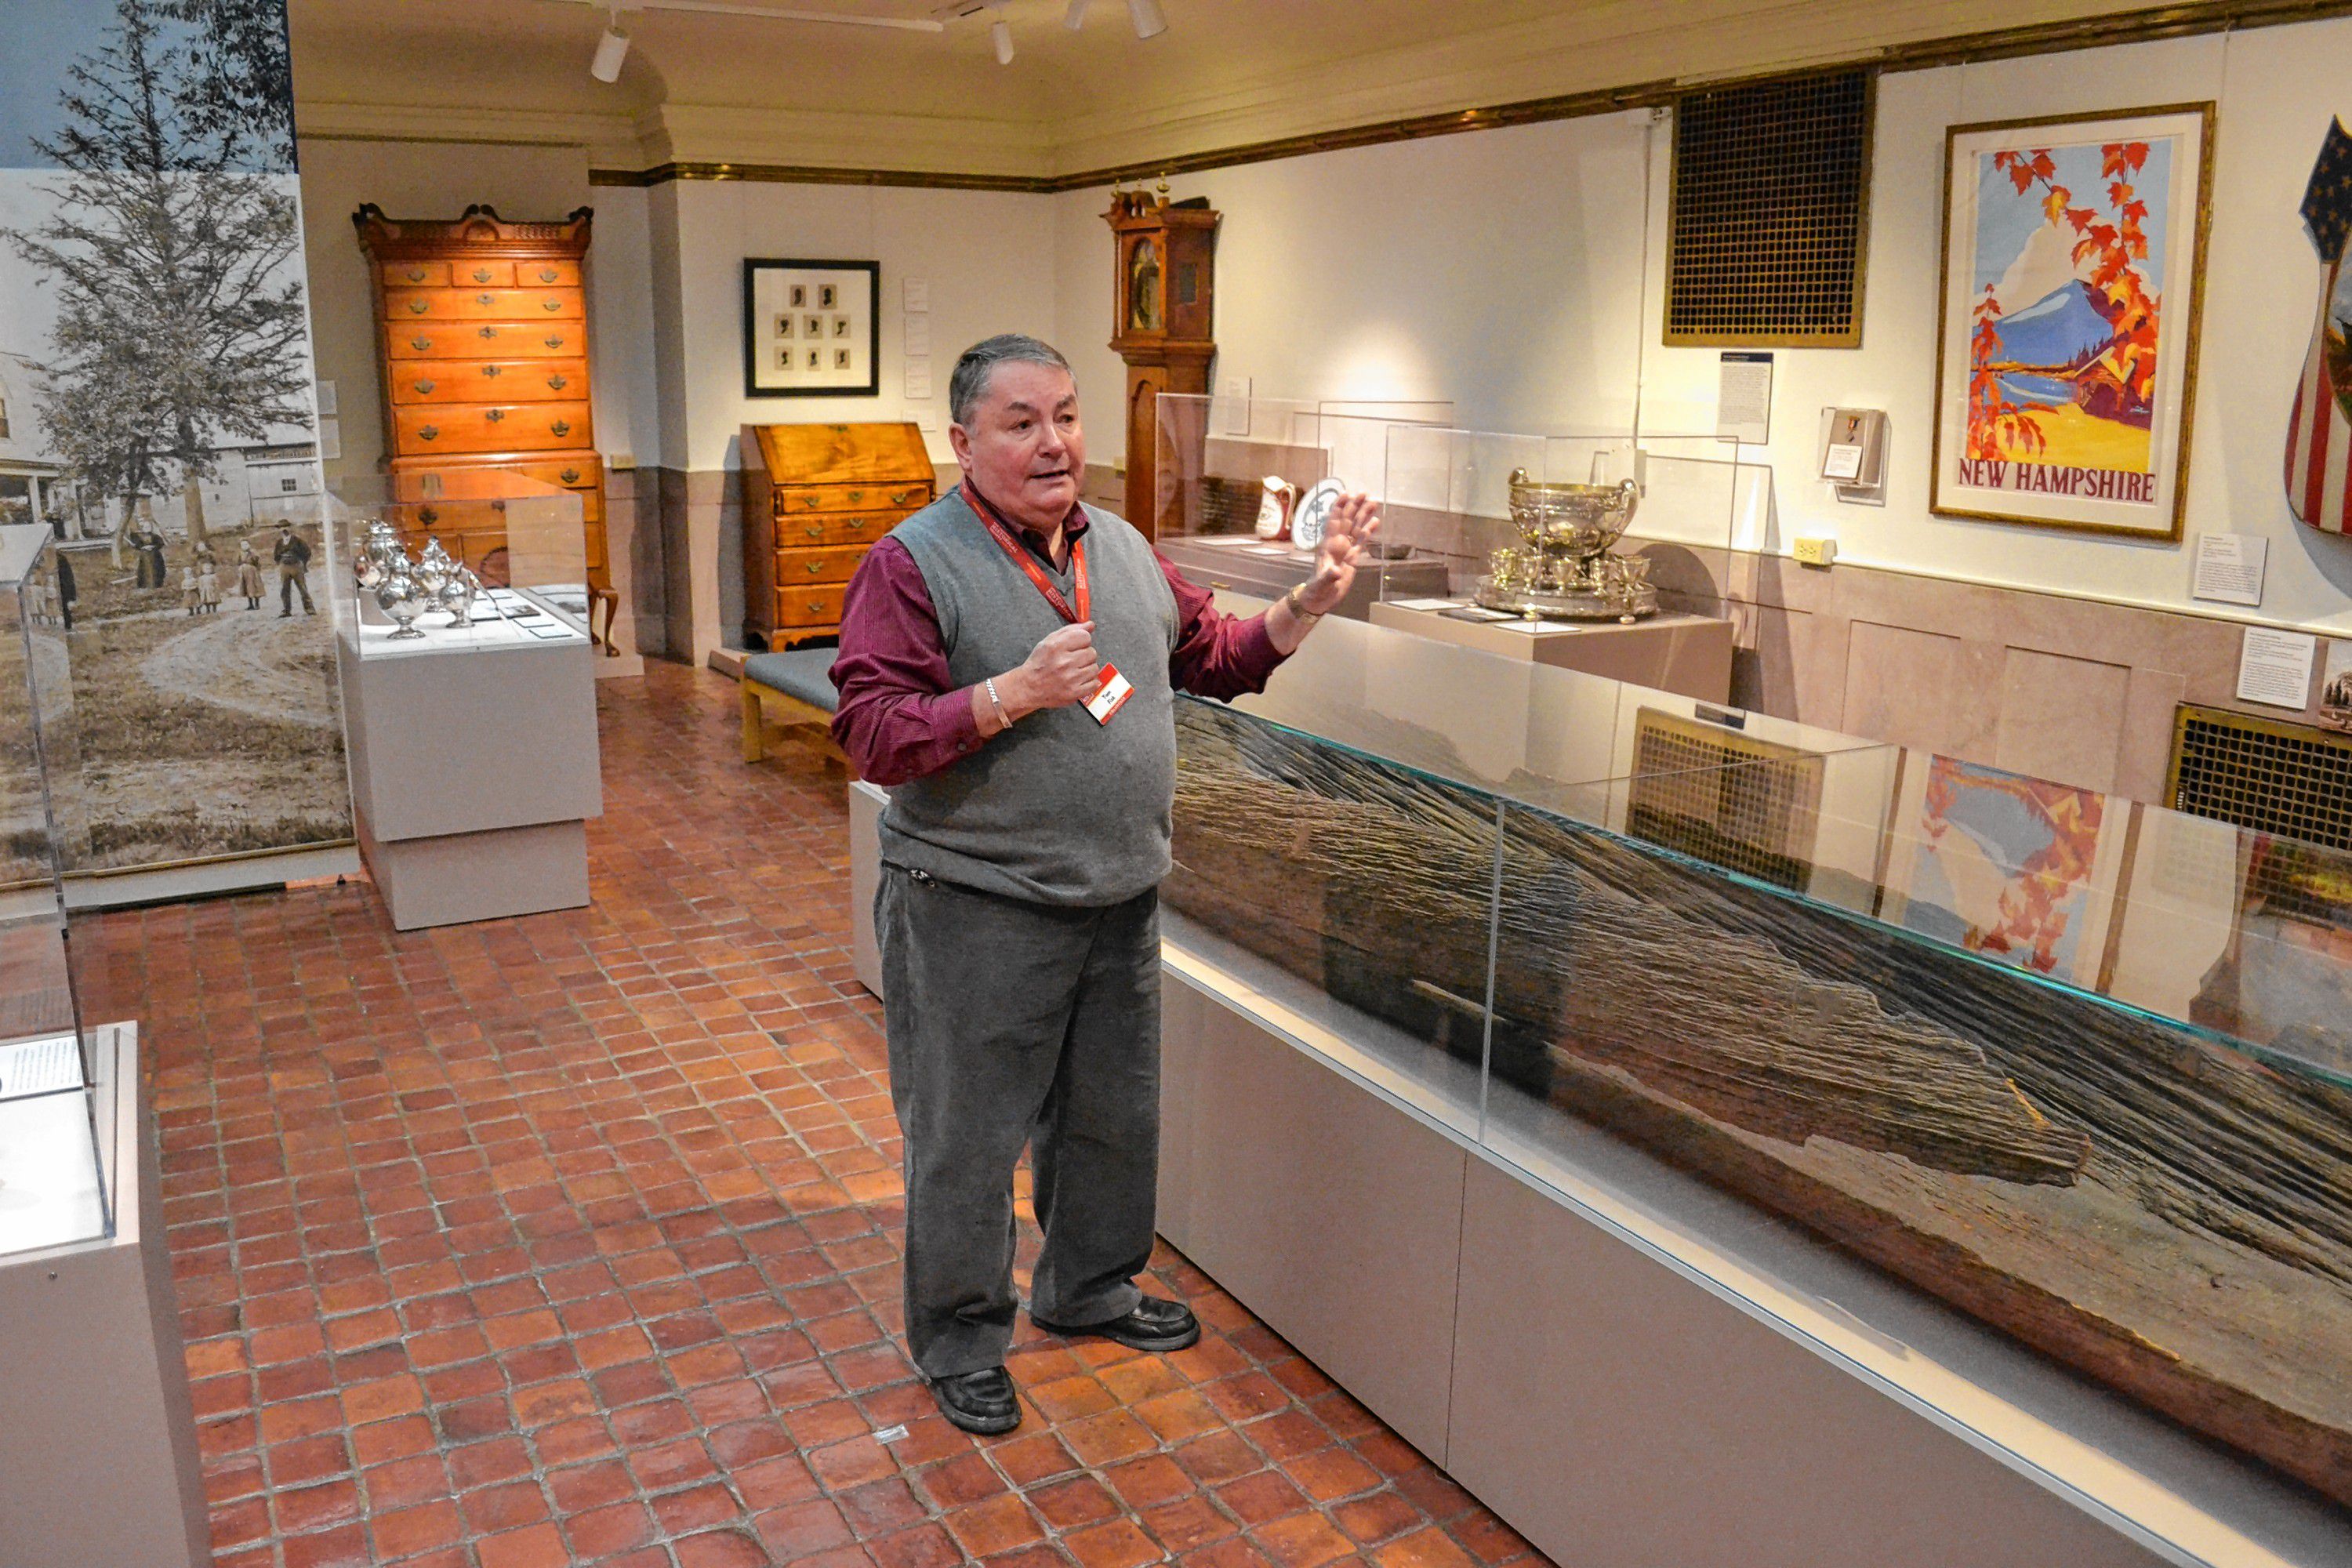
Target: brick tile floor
573,1239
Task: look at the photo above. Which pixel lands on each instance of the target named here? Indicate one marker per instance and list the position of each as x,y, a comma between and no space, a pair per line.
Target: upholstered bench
784,690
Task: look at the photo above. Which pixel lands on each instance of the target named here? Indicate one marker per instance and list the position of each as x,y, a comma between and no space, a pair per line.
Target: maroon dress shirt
898,719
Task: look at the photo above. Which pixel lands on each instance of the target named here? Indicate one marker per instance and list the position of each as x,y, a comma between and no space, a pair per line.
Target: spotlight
1002,34
1076,16
1148,19
610,50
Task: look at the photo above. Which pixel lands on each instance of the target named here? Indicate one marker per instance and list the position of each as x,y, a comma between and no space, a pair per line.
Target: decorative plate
1313,512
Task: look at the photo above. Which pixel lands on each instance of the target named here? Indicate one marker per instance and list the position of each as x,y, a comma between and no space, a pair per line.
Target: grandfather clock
1165,256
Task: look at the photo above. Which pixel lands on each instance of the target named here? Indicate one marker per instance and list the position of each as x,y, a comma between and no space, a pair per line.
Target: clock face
1314,511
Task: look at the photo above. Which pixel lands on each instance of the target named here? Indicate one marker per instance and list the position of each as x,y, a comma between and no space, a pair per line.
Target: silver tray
1586,607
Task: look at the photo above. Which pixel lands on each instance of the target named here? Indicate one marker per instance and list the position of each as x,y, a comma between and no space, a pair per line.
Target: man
293,558
1008,658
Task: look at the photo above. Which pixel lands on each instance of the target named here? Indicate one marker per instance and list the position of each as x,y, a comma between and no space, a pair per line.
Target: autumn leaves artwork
2071,261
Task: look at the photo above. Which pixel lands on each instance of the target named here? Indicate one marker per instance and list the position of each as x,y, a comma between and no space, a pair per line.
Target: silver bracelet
997,703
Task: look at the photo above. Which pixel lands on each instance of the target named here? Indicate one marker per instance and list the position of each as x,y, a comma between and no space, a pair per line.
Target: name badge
1111,692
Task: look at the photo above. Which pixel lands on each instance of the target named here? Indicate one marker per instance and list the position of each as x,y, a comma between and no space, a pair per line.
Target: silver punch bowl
1565,571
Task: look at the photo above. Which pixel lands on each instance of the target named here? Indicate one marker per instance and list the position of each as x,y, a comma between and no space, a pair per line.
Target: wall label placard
2275,668
2229,568
1743,408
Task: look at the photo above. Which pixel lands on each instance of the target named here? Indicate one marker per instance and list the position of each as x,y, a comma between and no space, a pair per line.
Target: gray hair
969,384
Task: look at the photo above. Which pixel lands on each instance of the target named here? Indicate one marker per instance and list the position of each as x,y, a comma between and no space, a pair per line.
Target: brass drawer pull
420,344
484,298
571,476
416,307
817,605
494,415
429,432
562,427
481,275
490,331
855,524
546,275
554,343
556,384
416,275
554,304
815,567
494,370
816,530
907,498
856,496
424,389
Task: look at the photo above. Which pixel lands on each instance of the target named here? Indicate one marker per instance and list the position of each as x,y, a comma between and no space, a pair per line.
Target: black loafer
981,1402
1152,1325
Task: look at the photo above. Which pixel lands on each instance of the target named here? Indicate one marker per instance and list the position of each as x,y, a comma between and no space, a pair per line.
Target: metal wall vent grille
1771,198
1749,806
2287,779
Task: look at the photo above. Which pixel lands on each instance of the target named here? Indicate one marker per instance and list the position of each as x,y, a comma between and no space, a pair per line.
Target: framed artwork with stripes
2072,277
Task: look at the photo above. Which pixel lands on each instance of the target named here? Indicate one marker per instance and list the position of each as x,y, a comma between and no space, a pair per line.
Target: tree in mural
180,324
241,79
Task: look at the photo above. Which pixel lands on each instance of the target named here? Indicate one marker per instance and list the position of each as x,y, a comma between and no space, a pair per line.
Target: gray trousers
1009,1022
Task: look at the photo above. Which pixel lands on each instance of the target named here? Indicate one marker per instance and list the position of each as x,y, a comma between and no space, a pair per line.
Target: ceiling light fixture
610,50
1001,35
1148,19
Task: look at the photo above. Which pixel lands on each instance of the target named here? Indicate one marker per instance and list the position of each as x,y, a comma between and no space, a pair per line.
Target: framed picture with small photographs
812,329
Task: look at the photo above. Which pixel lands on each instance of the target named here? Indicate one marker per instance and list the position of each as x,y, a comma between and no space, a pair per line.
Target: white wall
988,257
1505,272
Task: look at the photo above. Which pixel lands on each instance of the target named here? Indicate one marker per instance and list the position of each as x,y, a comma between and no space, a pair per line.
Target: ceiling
720,88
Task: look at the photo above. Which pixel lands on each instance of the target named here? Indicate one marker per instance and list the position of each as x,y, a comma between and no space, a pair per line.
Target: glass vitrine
2078,1066
58,1088
457,561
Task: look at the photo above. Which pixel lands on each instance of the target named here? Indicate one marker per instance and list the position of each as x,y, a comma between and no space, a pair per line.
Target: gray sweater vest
1057,809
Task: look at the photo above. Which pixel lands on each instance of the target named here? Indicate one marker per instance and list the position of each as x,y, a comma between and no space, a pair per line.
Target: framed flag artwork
2319,433
812,329
2066,354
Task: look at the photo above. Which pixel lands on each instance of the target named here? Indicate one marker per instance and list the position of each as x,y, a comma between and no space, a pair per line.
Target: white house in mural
33,487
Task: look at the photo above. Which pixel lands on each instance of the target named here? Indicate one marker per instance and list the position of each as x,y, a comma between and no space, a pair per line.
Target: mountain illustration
2063,328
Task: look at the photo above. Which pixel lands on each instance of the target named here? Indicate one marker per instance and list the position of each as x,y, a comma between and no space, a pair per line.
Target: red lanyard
1022,559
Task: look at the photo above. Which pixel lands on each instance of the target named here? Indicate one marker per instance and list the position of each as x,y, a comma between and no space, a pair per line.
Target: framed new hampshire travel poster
2066,362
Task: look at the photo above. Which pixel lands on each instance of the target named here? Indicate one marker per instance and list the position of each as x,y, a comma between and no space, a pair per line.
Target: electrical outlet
1816,552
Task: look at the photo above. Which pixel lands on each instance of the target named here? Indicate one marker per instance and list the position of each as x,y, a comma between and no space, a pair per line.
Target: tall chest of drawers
482,334
816,497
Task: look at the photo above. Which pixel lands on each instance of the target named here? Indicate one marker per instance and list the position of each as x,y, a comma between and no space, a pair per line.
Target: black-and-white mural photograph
157,414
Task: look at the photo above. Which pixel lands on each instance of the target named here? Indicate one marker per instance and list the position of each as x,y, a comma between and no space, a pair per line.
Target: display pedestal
474,770
98,1438
865,803
1687,655
1237,565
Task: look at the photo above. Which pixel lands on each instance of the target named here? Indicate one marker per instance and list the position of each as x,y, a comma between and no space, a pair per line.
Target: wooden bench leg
755,725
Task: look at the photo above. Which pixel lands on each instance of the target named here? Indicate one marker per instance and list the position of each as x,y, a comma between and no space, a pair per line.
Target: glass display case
2077,1065
462,559
1245,481
59,1084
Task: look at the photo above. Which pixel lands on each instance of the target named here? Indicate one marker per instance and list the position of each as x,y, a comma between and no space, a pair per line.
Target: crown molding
988,150
610,139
